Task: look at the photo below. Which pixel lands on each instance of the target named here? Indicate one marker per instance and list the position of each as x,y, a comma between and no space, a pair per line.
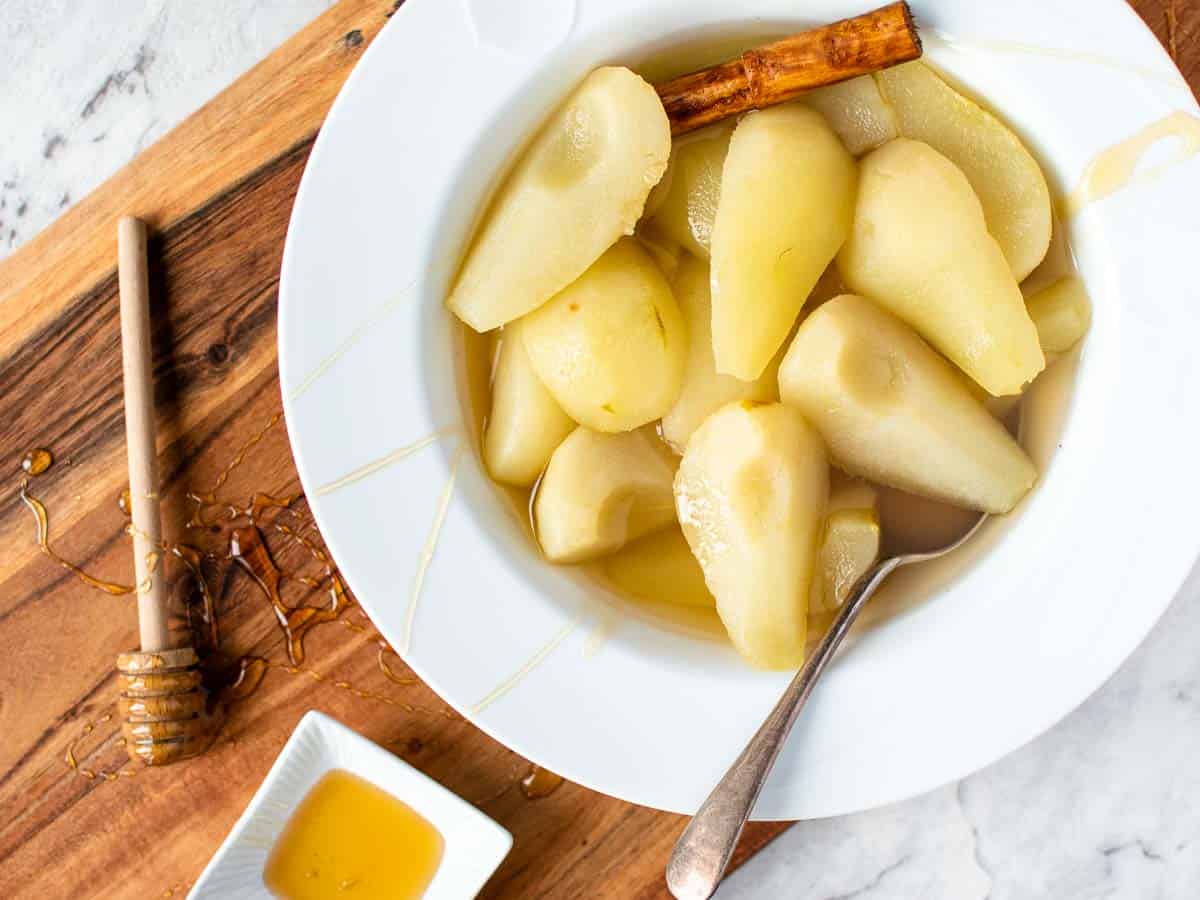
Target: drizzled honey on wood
37,461
251,672
42,518
539,783
224,532
74,751
249,550
236,533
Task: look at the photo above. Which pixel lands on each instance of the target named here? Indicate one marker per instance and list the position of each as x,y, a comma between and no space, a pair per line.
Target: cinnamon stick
783,70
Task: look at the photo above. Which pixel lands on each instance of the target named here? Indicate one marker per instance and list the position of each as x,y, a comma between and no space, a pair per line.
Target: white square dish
475,845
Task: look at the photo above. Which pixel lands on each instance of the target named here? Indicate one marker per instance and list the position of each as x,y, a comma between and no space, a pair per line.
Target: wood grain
218,191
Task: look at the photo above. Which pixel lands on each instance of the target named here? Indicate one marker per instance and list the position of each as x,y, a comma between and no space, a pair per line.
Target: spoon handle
703,850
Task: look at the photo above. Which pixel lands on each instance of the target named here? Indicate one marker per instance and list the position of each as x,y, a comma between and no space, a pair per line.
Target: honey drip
313,548
539,783
383,649
201,618
248,549
528,666
240,456
37,461
258,504
43,540
343,685
72,754
1118,166
241,530
208,499
251,672
254,669
390,675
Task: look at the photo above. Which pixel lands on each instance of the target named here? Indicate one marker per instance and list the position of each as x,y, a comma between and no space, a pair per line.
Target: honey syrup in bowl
350,840
750,359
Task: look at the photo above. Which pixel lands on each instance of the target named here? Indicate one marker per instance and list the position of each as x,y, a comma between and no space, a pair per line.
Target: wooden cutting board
75,819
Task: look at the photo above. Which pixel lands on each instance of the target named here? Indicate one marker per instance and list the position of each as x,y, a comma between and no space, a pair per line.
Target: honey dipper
162,704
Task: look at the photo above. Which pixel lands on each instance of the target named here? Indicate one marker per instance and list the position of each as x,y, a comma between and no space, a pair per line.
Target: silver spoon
702,852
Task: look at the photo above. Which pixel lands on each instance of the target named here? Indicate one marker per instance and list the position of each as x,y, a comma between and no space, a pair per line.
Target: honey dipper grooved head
164,715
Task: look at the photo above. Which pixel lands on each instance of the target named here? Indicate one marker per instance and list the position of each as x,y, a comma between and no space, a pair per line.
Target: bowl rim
780,799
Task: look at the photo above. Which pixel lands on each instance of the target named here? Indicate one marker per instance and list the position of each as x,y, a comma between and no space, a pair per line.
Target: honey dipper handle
139,434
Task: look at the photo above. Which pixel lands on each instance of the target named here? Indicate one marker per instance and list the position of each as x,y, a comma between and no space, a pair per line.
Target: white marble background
86,84
1106,805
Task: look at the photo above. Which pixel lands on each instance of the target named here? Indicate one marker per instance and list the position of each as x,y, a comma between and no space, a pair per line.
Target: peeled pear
601,491
1000,407
849,544
580,185
846,492
660,568
704,391
686,199
921,248
1061,313
526,423
1009,182
891,410
856,110
787,202
664,251
750,494
612,346
849,547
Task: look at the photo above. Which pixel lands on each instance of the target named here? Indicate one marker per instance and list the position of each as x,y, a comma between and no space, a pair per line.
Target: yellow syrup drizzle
390,675
427,552
37,461
526,667
249,550
209,497
539,783
383,462
355,336
344,685
251,672
43,540
1161,75
1117,167
209,633
607,622
71,756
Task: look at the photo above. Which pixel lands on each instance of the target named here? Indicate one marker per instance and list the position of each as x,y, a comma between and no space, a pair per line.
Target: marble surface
1106,805
86,85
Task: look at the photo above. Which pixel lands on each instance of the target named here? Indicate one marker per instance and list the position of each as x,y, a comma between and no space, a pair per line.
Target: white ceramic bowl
474,844
436,108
